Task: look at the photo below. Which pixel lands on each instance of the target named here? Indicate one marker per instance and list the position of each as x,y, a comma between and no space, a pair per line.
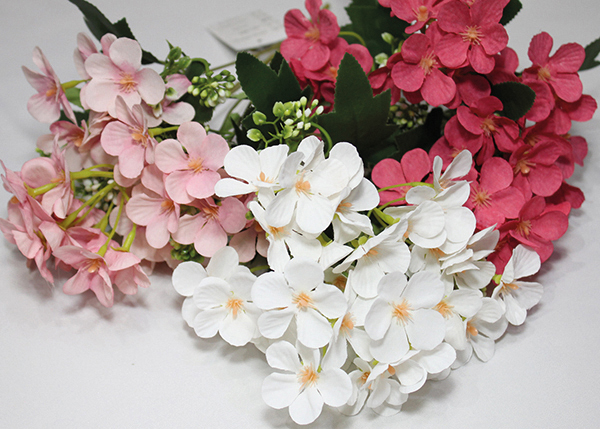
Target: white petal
379,394
223,263
484,347
426,329
330,301
272,158
378,319
303,275
438,359
212,292
307,406
424,290
515,314
528,294
238,331
314,330
273,324
228,187
283,355
526,262
189,310
280,390
460,224
314,213
335,386
242,162
206,323
271,291
347,154
187,276
465,302
393,346
410,373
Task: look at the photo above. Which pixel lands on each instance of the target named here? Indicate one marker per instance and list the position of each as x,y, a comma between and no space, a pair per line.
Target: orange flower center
363,378
402,311
313,34
167,206
340,282
444,309
60,178
51,92
276,232
343,207
302,186
347,324
428,63
481,198
472,330
488,125
523,166
211,212
524,228
195,164
544,74
127,83
472,35
307,376
139,136
303,301
422,13
234,305
264,178
94,266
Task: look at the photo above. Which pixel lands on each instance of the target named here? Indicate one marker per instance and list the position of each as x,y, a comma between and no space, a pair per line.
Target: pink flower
418,11
558,71
474,34
120,74
193,173
419,70
535,168
381,79
209,228
150,206
413,167
493,199
45,105
128,138
87,47
308,40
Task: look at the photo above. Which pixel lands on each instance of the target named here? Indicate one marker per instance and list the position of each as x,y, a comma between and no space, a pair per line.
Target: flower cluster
368,218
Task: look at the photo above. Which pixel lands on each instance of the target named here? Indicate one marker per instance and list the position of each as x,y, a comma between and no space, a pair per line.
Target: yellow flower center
347,324
524,227
313,34
428,63
544,74
472,330
481,198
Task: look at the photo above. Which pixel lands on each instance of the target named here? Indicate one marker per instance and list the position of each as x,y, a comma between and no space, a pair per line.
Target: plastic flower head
307,40
129,139
416,12
298,292
310,184
402,315
191,173
518,296
559,71
474,34
45,105
120,74
253,170
304,386
224,304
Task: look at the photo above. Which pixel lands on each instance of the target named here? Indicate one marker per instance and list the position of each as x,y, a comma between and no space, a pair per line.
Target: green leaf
510,11
99,25
263,85
516,98
370,20
73,96
591,52
358,117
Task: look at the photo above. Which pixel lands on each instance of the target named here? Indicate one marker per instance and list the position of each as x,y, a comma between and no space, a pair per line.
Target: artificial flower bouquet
367,214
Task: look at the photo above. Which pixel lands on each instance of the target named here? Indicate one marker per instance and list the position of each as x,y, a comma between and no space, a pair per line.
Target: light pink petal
210,239
201,185
232,215
126,54
150,86
170,156
42,108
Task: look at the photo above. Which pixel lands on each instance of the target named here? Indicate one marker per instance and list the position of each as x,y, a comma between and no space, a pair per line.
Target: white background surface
67,362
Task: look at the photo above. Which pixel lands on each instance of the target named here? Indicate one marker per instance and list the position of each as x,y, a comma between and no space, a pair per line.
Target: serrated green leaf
510,11
516,98
263,86
358,117
99,25
591,52
370,20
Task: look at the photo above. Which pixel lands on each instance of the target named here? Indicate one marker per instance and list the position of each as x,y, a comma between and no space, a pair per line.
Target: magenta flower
558,71
492,199
563,113
45,105
128,138
193,173
419,70
308,40
474,34
120,74
413,167
150,206
209,228
418,12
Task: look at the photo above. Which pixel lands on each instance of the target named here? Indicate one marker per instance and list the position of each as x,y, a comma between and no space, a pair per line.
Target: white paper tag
249,31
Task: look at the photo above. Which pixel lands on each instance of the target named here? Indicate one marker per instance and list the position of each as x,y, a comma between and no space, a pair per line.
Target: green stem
83,174
71,84
129,239
34,192
89,203
353,34
158,131
260,267
397,200
104,247
399,185
326,135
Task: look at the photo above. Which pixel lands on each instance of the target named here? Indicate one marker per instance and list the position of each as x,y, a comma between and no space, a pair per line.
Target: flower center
340,282
444,309
523,166
347,324
308,376
302,186
363,378
428,63
391,370
262,177
402,311
303,301
488,125
195,164
234,305
139,136
60,178
422,13
343,207
481,198
127,83
524,228
167,206
276,232
51,92
211,212
94,266
313,34
544,74
472,35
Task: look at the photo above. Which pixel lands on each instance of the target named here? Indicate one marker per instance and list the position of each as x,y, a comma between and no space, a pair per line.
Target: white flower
310,186
402,317
222,301
379,255
517,296
298,292
456,307
258,170
347,222
413,369
458,168
303,386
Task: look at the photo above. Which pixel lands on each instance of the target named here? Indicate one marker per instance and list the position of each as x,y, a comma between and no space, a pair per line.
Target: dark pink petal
567,86
416,165
408,77
438,88
551,225
545,180
486,12
480,60
328,26
580,148
532,208
496,174
313,7
543,103
539,48
293,48
469,120
296,24
454,17
522,184
567,59
452,50
488,216
362,55
509,202
582,110
495,39
415,48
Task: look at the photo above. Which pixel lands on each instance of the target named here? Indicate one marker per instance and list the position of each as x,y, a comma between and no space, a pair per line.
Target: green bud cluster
212,89
176,62
294,120
185,252
87,188
407,115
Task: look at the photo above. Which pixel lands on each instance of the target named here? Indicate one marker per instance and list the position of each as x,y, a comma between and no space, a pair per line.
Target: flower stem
71,84
89,203
399,185
34,192
355,35
326,135
158,131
